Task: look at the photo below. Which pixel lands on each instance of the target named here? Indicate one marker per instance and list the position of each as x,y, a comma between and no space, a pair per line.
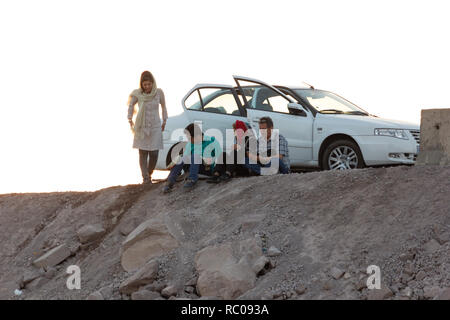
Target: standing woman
148,128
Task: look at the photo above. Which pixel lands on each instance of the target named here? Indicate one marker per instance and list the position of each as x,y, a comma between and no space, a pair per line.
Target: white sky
66,69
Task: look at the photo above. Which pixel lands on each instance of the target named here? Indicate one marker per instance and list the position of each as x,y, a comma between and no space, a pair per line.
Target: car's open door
293,121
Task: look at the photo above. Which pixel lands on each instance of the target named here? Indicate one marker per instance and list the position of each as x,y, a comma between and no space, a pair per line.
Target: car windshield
327,102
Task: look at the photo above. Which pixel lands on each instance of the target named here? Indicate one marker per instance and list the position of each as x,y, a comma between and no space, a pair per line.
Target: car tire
169,154
342,154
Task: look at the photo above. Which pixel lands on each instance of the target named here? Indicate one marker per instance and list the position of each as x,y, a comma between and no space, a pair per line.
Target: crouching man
199,156
272,154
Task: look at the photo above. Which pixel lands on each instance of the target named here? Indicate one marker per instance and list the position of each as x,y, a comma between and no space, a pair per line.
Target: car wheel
342,155
178,147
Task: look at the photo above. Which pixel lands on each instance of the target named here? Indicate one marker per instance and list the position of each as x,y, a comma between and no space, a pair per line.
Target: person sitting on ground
200,156
272,155
234,161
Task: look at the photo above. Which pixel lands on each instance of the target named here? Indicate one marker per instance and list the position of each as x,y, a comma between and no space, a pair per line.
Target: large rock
53,257
225,274
150,239
145,275
434,137
90,233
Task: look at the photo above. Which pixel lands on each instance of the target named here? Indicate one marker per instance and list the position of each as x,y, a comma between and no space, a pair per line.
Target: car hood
370,121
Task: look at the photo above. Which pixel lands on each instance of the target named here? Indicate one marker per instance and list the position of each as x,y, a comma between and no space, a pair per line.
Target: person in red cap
234,161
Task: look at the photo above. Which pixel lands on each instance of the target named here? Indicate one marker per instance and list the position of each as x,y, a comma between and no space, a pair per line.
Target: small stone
409,269
328,285
407,256
430,292
441,236
412,283
432,246
107,291
380,294
89,233
208,298
95,296
347,275
273,252
361,284
277,294
300,289
169,291
189,289
156,286
145,295
444,295
420,275
404,278
407,292
336,273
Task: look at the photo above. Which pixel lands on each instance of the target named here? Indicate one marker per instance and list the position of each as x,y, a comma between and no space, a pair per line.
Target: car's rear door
268,101
215,108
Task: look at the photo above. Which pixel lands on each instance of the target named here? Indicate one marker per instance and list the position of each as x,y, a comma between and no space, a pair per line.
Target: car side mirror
296,109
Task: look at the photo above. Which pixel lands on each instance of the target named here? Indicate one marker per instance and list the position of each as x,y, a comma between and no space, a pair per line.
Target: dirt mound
297,236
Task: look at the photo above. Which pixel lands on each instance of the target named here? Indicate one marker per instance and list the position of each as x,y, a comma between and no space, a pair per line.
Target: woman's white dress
152,137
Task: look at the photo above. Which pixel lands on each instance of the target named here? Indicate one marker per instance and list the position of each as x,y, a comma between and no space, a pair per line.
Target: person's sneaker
225,177
168,187
213,179
189,184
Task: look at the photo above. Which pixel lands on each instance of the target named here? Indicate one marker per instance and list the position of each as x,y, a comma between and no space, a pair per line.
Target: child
200,154
234,162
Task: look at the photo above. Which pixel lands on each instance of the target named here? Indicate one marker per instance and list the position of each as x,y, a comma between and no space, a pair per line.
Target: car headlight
395,133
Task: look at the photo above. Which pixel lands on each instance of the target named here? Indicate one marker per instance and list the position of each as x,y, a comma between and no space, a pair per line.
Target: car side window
213,100
269,100
193,101
219,101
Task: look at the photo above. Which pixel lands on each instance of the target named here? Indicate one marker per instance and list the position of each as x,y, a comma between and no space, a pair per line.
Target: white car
323,130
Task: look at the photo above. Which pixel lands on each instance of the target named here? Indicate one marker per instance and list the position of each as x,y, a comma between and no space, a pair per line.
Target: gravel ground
329,227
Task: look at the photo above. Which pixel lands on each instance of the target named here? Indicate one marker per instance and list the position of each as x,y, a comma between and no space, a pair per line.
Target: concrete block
434,137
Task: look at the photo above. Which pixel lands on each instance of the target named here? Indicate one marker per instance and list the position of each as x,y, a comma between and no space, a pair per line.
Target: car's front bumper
381,150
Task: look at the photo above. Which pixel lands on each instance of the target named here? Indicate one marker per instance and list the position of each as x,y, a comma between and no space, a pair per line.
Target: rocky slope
297,236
